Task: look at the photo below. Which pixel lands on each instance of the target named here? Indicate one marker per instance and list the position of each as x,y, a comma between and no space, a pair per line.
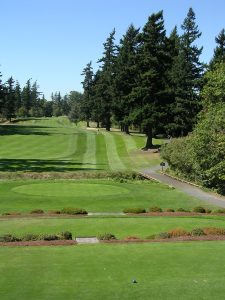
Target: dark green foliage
49,237
155,209
219,51
73,211
37,211
134,210
182,210
30,237
66,235
106,237
169,210
219,211
197,232
9,238
199,209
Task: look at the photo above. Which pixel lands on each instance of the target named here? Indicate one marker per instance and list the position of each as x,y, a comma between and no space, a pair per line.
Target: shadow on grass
38,165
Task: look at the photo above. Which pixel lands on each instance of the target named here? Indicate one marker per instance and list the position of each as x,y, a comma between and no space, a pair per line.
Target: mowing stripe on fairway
89,158
101,154
115,163
122,150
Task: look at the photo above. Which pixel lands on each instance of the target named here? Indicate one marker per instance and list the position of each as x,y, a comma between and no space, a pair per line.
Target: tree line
150,80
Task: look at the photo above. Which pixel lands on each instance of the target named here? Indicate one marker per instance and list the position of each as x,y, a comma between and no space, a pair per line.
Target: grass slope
163,271
121,227
55,144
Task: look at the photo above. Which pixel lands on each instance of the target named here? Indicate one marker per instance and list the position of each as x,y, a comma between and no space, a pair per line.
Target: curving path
189,189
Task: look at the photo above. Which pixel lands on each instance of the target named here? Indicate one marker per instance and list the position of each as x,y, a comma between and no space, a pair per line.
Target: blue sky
51,41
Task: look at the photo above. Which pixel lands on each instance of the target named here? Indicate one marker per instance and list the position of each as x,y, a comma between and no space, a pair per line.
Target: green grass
55,144
93,195
121,227
193,270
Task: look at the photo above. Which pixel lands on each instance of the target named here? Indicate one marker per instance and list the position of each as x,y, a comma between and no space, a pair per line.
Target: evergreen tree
186,77
150,90
8,109
219,51
26,99
126,77
106,85
86,105
18,99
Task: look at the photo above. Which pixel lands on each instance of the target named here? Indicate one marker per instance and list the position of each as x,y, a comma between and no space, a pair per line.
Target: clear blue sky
51,41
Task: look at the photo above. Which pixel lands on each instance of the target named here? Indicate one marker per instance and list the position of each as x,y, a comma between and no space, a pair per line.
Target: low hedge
66,235
73,211
106,237
199,209
134,210
155,209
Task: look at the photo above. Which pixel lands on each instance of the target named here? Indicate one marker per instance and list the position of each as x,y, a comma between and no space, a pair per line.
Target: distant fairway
55,144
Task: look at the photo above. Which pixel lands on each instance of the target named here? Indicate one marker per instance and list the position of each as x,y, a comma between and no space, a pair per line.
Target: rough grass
93,195
55,144
193,270
121,227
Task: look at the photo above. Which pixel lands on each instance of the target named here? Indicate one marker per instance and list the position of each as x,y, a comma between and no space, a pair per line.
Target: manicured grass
163,271
55,144
92,195
121,227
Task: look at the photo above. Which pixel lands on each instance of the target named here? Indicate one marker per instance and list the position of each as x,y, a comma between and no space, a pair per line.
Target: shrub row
66,235
197,209
65,210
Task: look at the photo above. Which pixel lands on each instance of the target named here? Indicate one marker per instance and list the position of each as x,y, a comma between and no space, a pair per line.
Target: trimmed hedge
134,210
106,237
155,209
73,211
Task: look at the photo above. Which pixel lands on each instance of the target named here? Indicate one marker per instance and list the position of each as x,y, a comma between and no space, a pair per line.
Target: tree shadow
38,165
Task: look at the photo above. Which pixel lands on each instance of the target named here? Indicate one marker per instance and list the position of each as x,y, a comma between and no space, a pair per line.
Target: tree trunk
88,125
149,144
126,129
108,124
97,124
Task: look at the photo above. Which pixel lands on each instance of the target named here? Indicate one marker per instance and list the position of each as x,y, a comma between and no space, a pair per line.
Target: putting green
70,189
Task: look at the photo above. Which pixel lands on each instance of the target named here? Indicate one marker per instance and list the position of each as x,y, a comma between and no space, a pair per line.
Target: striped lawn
55,144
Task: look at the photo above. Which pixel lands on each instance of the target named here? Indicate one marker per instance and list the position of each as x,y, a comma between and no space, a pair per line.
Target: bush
197,232
208,211
30,237
163,235
49,237
170,210
9,238
66,235
73,211
134,210
106,237
12,213
213,231
155,209
220,211
199,209
182,210
37,211
178,232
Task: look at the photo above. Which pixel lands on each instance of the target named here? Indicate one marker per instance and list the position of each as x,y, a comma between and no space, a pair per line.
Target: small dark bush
9,238
182,210
155,209
163,235
37,211
197,232
220,211
199,209
134,210
106,237
12,213
6,214
49,237
73,211
66,235
208,211
170,210
30,237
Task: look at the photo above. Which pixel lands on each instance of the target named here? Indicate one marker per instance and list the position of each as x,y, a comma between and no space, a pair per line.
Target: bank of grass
57,145
193,270
94,195
121,227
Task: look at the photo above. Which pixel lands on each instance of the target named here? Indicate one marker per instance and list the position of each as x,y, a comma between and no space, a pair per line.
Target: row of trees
29,101
150,80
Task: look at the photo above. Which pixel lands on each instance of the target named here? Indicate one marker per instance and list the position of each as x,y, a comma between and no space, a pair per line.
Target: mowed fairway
93,195
193,270
55,144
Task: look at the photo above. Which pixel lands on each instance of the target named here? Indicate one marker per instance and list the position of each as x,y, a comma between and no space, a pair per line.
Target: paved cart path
189,189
